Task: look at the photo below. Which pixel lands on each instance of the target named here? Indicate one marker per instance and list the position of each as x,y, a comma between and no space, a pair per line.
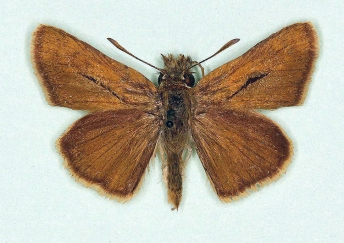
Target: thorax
175,111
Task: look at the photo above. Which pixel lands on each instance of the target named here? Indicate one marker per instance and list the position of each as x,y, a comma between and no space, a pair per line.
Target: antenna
224,47
116,44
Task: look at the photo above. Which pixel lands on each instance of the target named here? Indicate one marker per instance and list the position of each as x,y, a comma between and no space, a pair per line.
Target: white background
41,202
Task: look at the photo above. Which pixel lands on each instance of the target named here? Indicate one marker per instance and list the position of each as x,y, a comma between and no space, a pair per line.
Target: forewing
239,149
272,74
76,75
110,150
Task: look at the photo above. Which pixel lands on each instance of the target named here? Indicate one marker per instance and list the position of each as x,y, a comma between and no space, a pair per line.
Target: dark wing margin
239,150
274,73
110,150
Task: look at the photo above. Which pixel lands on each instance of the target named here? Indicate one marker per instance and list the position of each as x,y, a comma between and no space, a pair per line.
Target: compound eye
160,78
189,79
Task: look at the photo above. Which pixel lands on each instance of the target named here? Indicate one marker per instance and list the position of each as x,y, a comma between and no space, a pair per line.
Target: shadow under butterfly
110,148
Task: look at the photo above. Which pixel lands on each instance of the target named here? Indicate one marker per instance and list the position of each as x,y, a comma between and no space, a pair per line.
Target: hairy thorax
176,114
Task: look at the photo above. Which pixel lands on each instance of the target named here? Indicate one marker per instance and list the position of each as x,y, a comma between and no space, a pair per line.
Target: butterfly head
177,71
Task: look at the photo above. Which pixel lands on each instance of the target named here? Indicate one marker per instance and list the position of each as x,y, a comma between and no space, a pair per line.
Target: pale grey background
41,202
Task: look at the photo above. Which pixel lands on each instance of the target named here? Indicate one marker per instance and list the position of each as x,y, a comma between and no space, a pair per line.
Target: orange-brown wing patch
76,75
110,150
272,74
239,149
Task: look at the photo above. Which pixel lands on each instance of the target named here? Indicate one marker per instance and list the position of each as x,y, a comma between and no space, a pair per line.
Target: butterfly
130,118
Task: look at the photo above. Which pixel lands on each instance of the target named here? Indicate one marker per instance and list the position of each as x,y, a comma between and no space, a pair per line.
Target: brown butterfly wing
272,74
76,75
238,147
110,150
